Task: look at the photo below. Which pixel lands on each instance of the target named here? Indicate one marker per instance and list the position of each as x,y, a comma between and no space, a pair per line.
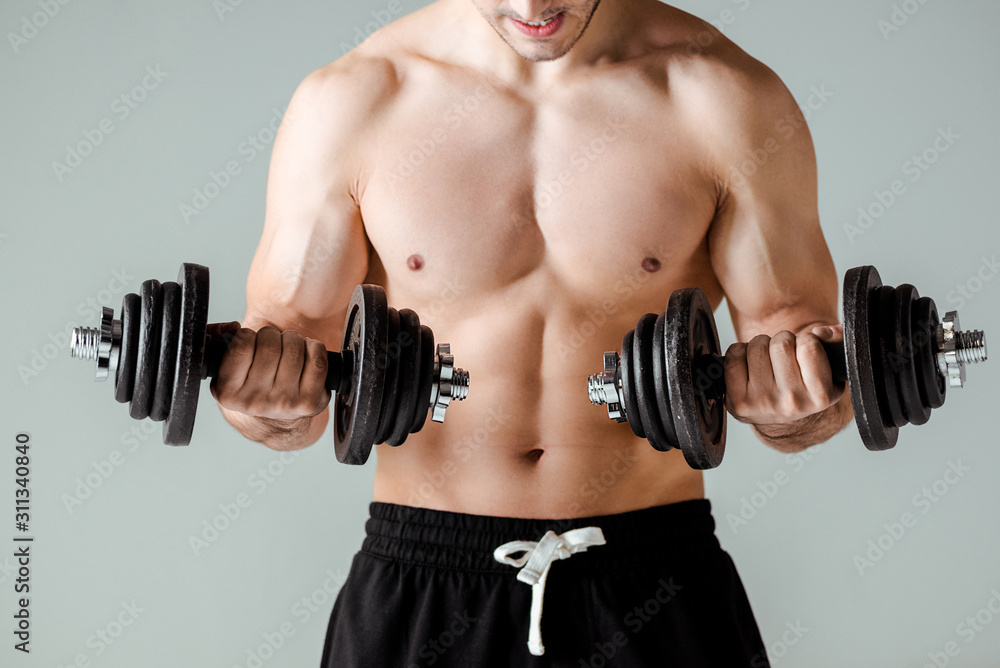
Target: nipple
651,264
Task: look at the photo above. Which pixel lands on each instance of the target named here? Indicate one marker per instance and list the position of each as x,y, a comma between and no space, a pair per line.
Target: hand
781,379
271,374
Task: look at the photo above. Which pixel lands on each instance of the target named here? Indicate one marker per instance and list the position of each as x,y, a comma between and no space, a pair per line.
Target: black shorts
425,590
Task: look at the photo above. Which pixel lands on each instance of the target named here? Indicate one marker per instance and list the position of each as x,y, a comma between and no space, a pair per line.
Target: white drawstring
535,564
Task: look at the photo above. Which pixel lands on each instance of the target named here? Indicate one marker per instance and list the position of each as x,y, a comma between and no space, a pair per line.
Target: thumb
829,333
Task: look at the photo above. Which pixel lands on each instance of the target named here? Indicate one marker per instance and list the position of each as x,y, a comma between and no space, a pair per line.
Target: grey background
226,74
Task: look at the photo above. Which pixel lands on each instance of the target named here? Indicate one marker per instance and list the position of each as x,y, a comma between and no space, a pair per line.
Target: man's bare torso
530,222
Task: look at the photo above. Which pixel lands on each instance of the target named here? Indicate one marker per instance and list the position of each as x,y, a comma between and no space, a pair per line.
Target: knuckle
318,362
782,345
809,341
826,396
237,402
267,349
292,348
739,404
243,340
291,337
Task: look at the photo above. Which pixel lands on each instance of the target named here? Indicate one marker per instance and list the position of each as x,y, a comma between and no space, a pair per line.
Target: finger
816,372
784,363
761,374
829,333
288,375
266,356
223,328
236,362
314,373
737,377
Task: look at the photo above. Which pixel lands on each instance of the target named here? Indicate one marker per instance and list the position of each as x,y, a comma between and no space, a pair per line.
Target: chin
539,53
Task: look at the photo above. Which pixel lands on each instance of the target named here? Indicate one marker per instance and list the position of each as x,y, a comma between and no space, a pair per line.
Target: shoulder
358,89
367,77
348,91
711,80
733,106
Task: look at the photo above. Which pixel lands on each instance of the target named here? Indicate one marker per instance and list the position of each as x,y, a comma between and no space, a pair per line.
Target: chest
491,183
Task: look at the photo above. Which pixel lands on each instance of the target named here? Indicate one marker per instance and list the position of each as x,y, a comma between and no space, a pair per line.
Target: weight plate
646,395
700,421
193,282
907,349
128,354
427,353
890,397
409,375
630,385
861,285
388,365
355,413
148,350
933,387
660,363
169,326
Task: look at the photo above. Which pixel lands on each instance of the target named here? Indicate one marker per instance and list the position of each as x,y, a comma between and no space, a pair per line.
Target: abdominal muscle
527,442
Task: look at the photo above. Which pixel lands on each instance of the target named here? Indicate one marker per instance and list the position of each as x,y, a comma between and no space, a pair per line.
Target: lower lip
546,30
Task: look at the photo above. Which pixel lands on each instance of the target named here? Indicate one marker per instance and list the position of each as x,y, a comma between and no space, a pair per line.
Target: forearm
809,431
279,434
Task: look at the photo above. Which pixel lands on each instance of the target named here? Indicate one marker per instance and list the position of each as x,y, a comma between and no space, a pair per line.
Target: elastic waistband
466,542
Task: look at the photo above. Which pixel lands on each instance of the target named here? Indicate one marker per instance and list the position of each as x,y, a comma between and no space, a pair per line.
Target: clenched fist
781,379
271,374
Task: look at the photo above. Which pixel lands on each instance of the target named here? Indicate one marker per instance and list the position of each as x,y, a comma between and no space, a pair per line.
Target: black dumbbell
897,357
386,378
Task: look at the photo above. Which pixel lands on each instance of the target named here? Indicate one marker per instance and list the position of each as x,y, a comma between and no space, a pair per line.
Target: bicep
313,249
766,244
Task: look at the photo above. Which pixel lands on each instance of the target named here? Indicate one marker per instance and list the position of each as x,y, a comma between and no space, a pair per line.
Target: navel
415,262
651,264
533,456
